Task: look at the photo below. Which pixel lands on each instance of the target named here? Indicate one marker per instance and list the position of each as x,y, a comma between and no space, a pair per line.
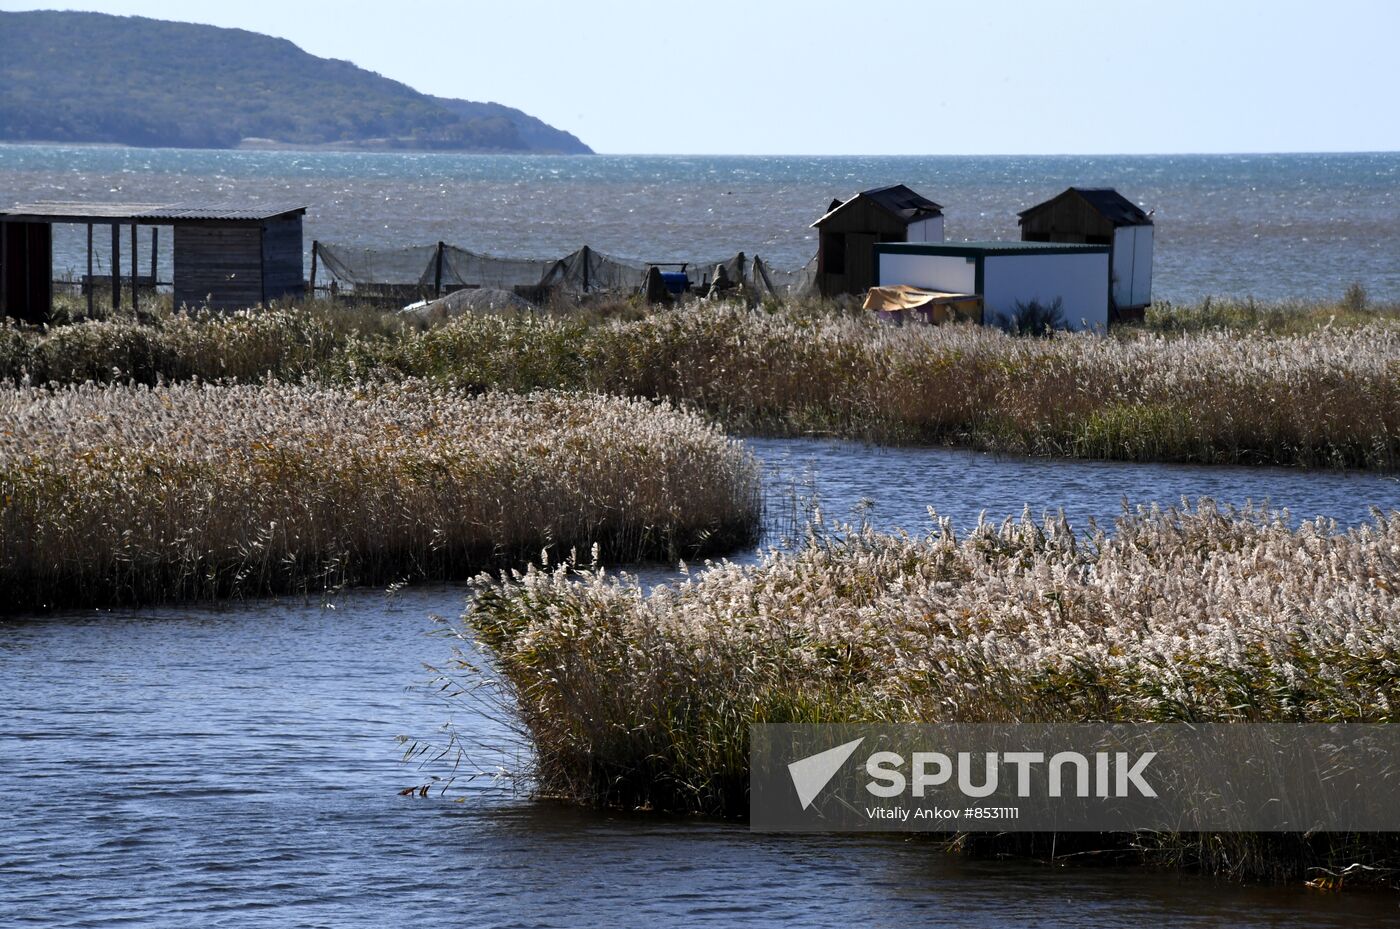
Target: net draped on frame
427,270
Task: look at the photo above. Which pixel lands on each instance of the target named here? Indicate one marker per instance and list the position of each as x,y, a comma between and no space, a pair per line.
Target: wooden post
116,267
90,287
134,254
4,270
584,252
155,242
312,294
437,272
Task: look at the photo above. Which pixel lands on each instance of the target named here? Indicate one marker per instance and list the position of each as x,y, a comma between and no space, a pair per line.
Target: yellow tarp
932,306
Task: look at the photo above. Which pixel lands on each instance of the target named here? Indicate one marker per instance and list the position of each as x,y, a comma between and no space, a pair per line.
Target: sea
1272,227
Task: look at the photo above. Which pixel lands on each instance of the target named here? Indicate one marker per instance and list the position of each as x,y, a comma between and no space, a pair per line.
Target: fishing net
590,271
432,270
461,268
368,267
767,279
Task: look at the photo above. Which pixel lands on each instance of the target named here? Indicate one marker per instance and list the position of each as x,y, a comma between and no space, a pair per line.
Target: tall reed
643,699
1326,396
129,494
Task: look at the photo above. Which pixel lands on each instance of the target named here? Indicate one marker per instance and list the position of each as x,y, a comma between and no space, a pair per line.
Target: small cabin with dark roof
226,256
850,230
1101,216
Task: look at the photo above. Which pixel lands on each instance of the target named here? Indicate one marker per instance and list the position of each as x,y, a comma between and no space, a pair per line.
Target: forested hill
91,77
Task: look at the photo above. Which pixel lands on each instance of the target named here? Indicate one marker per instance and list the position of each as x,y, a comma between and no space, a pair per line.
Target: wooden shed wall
219,266
863,215
26,271
1067,218
281,255
860,223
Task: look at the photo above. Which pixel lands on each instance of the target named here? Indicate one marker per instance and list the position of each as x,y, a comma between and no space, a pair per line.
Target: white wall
1124,242
1080,281
1132,265
1142,266
926,230
949,273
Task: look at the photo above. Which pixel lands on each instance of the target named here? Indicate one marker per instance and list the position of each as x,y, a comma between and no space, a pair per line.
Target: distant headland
127,80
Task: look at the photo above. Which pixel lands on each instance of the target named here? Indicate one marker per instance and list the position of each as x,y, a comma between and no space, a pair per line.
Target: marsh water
239,765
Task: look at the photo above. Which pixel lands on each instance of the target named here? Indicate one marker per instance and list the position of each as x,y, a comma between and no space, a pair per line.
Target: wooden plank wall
862,223
26,271
219,266
865,216
1068,219
281,255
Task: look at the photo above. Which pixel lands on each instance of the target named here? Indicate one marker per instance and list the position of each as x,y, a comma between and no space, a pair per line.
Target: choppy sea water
238,766
1269,226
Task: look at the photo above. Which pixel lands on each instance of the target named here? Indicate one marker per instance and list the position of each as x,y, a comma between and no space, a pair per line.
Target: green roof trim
981,249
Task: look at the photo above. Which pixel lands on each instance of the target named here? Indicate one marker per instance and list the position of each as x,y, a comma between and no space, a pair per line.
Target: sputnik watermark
811,774
1075,777
1115,773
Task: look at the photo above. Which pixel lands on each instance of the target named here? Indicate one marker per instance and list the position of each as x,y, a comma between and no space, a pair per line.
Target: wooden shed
850,230
225,257
1101,216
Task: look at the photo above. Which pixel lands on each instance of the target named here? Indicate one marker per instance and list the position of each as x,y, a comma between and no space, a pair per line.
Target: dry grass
640,699
1244,316
126,494
1325,398
1311,386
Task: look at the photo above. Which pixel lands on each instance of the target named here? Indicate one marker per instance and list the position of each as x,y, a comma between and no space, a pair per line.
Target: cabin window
1037,237
834,254
1098,239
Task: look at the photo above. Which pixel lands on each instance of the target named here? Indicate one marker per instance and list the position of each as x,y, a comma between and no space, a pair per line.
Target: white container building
1101,216
1007,276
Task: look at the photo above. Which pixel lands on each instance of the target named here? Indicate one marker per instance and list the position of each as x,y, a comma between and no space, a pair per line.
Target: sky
884,77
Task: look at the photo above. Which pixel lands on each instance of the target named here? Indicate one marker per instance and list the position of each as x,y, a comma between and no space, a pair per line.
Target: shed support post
437,272
584,253
155,241
311,291
116,267
134,254
90,288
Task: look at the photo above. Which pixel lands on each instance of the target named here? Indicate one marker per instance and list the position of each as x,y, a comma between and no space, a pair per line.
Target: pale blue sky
884,77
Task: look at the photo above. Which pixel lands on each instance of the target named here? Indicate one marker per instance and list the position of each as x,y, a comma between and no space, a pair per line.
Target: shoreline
390,146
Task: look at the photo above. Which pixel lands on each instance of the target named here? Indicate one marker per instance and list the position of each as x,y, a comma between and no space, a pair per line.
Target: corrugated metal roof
64,209
156,213
206,211
896,199
1109,203
997,247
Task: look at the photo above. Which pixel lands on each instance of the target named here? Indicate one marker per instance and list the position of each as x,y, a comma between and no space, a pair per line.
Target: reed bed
1327,398
121,494
1315,395
246,346
643,699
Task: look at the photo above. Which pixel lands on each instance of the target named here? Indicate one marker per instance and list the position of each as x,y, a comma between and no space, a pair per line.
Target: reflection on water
238,766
